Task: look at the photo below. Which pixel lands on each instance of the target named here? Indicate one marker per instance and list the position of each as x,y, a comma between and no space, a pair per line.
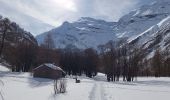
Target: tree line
117,60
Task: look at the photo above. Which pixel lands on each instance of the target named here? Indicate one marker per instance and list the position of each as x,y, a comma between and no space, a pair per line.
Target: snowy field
21,86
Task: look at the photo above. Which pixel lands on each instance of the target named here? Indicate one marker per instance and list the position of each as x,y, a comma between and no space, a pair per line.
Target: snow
144,89
139,22
148,37
22,86
121,35
147,12
163,21
149,31
53,66
97,92
25,87
150,55
3,68
50,66
84,33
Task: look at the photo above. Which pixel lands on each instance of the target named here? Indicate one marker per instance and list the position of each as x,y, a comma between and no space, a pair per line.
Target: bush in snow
59,86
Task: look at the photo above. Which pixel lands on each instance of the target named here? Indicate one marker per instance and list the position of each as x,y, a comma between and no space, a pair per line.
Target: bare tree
49,42
48,47
157,63
5,28
59,86
55,87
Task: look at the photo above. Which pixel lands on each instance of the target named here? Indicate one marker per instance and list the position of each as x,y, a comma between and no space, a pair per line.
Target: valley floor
21,86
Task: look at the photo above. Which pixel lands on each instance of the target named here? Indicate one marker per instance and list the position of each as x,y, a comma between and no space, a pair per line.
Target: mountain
156,37
89,32
15,34
84,33
142,19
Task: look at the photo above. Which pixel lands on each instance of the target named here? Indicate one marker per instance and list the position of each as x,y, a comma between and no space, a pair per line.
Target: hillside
17,45
156,37
15,33
142,19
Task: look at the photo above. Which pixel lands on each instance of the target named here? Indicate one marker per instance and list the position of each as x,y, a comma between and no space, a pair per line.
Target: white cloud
66,4
110,10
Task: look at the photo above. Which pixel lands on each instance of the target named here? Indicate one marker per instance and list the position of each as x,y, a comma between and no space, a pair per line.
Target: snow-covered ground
4,69
143,89
22,86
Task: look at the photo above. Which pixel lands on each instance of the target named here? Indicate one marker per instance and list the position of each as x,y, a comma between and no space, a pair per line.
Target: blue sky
55,12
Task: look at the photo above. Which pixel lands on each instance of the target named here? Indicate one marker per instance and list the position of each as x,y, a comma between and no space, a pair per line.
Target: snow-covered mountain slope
88,32
142,19
158,36
84,33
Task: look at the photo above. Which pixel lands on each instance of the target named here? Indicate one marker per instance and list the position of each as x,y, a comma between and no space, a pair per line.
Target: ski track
97,92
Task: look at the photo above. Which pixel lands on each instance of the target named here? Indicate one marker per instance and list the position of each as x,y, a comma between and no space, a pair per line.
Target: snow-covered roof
52,66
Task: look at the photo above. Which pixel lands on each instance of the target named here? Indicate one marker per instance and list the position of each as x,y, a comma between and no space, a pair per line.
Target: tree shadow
26,78
39,82
139,89
153,83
